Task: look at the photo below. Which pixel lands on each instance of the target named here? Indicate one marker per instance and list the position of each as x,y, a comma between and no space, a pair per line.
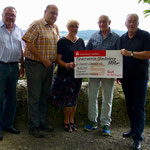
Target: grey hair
134,15
9,7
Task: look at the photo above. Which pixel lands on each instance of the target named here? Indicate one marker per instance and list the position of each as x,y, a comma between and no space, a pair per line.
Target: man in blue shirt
105,39
135,46
10,56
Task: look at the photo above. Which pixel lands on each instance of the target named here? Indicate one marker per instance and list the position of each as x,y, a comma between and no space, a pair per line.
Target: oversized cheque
98,64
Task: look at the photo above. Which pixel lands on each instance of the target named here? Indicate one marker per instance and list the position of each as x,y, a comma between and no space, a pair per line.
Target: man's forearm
141,55
34,51
46,62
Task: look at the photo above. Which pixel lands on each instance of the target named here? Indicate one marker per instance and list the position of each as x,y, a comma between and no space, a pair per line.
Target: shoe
105,130
128,134
73,127
35,131
137,145
1,137
12,130
91,126
46,128
67,127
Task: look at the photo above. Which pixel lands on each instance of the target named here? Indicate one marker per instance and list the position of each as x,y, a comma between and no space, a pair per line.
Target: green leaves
145,1
139,1
147,11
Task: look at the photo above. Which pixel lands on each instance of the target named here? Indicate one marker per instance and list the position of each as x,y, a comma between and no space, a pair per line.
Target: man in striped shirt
40,53
11,46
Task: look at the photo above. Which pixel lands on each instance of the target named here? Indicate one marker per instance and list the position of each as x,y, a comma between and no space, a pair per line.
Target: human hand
119,81
47,63
70,65
125,52
21,72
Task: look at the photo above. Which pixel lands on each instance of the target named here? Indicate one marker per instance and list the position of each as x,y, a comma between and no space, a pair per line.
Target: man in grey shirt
104,39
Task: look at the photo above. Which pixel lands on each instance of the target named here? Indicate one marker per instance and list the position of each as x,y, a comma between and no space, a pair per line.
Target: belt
33,60
11,63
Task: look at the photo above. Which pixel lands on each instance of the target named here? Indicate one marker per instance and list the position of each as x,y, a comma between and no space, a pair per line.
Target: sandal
67,127
73,126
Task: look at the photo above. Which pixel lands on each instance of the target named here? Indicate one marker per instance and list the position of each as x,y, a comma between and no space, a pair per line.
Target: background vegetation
147,11
55,115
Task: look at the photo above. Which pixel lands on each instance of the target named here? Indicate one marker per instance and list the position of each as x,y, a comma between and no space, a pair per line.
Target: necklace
72,39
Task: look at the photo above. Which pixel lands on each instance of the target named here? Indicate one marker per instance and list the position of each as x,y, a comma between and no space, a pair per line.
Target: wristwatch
131,53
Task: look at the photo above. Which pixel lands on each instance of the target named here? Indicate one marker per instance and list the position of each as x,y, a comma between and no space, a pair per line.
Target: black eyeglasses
72,26
10,15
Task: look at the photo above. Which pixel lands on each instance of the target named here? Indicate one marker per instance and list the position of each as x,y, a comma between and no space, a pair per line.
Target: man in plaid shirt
40,53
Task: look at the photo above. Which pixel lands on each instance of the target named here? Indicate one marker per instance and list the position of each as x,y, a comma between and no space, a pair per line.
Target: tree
147,11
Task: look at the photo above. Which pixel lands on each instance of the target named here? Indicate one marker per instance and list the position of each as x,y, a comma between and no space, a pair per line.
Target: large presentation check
98,64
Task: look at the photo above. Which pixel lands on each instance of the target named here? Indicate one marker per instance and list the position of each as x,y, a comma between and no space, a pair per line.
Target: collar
46,24
136,34
110,31
44,21
3,25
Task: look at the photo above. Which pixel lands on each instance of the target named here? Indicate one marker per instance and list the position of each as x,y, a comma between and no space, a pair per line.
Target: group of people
44,48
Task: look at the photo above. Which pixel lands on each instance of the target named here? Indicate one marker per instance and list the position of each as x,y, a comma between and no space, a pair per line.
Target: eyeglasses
54,13
10,15
72,26
132,22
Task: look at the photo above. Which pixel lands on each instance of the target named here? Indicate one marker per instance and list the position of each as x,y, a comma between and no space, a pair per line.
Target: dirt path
80,140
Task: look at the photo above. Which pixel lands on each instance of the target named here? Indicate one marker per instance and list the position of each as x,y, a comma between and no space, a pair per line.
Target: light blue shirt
11,44
111,42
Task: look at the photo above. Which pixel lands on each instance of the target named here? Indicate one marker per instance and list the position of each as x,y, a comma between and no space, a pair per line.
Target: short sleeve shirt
66,48
97,42
134,68
11,44
44,37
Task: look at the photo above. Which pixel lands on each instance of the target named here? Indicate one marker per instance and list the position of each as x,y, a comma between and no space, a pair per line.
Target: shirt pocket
96,44
2,45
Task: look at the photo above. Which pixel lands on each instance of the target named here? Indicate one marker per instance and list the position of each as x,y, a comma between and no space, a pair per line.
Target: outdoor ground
80,140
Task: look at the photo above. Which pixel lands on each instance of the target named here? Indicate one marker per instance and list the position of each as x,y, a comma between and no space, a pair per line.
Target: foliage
147,11
145,1
55,115
85,34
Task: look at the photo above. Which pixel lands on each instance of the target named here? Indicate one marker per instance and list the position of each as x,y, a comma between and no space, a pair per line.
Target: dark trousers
135,94
8,97
39,83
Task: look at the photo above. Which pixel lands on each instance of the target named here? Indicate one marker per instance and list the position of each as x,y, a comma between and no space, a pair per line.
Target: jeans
135,94
107,99
38,83
8,97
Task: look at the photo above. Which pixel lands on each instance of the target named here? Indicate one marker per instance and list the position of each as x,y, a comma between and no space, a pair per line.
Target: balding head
104,22
51,14
104,17
51,7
